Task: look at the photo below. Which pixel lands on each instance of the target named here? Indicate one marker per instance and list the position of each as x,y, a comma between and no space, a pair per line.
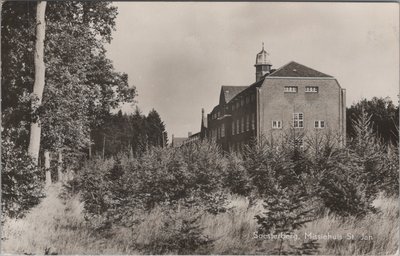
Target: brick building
291,97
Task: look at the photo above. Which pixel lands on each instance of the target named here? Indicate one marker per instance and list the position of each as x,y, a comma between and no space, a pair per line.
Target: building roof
294,69
229,91
177,141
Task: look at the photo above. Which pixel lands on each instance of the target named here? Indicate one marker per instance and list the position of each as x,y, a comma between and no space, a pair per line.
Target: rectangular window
247,99
312,89
299,142
237,105
247,123
292,89
233,127
237,126
233,107
218,133
242,102
276,124
319,124
242,124
252,97
298,120
253,121
223,130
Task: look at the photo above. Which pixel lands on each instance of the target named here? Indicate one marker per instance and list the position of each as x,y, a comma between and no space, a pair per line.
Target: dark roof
294,69
229,91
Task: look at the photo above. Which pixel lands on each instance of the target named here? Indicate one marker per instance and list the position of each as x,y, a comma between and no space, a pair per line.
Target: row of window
242,101
298,122
294,89
238,126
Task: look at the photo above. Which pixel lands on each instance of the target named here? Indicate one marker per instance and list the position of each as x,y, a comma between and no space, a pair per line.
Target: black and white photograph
199,128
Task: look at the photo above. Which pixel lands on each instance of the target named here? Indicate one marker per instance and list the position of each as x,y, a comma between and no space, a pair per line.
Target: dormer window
313,89
291,89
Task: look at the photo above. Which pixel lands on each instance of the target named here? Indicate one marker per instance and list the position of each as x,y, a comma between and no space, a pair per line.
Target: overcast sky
179,54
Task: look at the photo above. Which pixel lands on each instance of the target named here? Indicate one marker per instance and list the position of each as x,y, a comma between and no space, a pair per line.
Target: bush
21,180
121,190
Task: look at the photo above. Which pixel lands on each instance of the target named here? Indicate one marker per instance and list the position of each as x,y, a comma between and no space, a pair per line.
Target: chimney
189,134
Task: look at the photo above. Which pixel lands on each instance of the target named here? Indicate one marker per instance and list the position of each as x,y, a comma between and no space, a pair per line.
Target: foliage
384,116
21,179
133,133
118,190
81,83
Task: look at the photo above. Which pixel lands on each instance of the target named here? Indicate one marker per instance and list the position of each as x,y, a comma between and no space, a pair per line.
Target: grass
59,227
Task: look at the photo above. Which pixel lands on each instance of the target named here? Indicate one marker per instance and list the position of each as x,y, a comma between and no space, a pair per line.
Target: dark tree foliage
21,179
133,133
384,117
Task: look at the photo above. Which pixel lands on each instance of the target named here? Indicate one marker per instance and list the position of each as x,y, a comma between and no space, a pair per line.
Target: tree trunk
38,86
59,167
47,167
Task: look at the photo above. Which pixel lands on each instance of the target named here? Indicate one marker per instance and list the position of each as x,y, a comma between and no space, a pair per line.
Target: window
319,124
311,88
253,121
298,120
276,124
247,100
233,127
237,126
223,130
237,105
247,123
298,142
242,102
252,97
233,107
242,124
218,133
290,89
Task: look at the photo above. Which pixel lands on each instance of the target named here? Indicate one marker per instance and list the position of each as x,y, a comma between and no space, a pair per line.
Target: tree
384,117
155,129
38,86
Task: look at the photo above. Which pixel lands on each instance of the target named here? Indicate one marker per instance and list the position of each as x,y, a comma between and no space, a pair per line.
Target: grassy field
57,226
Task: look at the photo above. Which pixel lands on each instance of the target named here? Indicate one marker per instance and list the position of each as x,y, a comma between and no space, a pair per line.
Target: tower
263,64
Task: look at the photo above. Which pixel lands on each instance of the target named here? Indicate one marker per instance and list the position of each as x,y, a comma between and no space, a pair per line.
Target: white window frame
290,89
312,89
276,124
319,124
298,120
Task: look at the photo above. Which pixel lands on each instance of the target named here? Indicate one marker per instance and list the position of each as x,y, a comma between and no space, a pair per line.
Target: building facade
293,97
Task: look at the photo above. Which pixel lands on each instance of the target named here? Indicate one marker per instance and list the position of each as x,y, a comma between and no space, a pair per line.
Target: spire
263,63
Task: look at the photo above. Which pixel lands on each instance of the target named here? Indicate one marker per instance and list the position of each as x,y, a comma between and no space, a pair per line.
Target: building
179,141
291,97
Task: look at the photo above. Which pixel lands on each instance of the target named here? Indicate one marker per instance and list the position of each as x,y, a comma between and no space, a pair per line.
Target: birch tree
38,86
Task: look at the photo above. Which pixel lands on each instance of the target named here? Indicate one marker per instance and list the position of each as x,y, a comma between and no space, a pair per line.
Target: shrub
123,189
21,180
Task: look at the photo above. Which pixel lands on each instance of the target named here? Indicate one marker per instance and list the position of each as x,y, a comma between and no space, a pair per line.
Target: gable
294,69
228,92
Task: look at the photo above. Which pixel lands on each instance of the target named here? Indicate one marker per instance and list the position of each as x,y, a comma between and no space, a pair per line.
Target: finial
263,45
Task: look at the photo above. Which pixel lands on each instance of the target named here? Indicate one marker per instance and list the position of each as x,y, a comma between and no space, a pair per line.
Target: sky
178,54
